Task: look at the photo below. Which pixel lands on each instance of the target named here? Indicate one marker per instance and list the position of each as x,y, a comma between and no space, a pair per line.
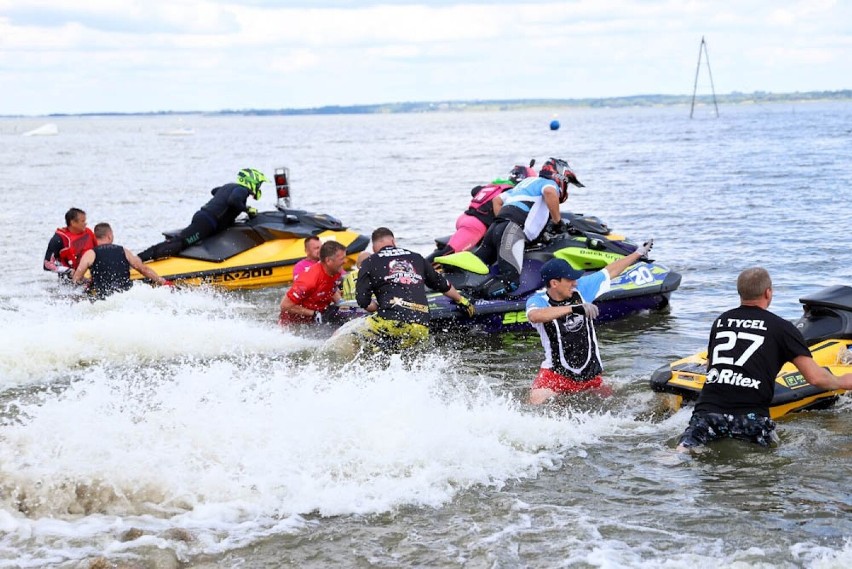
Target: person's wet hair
380,233
102,230
309,239
753,282
329,249
72,214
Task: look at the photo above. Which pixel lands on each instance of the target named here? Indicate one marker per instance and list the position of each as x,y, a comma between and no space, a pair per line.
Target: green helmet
251,179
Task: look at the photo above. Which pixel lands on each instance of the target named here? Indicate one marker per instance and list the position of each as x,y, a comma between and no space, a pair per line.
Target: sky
89,56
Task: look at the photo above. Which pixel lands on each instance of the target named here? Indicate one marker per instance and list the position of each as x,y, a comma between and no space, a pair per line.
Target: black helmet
519,172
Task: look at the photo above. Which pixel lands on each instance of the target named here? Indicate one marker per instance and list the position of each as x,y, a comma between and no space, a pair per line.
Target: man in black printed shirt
398,277
747,348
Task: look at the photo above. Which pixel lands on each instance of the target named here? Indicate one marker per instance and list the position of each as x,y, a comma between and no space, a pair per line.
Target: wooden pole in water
703,48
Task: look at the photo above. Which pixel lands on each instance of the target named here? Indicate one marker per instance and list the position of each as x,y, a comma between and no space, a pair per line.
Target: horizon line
459,104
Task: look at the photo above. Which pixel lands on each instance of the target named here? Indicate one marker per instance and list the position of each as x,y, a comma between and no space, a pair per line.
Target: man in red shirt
317,289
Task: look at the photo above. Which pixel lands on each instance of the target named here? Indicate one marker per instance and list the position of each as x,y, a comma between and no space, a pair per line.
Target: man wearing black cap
563,313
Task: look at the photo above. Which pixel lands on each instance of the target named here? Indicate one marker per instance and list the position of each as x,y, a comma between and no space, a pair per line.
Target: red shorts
549,379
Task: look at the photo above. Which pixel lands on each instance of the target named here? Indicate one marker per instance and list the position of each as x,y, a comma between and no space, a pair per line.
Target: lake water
160,427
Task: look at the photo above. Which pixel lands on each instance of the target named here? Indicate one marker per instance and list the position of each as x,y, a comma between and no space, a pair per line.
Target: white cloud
295,60
100,55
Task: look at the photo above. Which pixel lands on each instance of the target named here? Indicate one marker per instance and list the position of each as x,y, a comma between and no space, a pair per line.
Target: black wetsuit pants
202,225
705,427
504,242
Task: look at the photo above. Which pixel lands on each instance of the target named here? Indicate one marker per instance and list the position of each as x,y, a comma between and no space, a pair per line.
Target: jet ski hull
257,253
498,316
641,287
827,329
625,298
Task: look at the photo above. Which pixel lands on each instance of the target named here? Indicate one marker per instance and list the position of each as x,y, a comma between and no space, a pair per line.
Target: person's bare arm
541,315
819,376
85,262
291,307
497,204
453,294
617,267
146,271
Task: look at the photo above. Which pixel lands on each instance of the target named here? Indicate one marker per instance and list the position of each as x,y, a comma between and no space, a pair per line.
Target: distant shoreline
735,98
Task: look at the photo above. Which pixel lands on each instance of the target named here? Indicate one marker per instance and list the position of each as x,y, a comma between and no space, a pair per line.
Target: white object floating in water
49,129
179,129
178,132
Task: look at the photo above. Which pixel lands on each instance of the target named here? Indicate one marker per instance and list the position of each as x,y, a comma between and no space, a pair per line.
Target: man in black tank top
109,265
747,348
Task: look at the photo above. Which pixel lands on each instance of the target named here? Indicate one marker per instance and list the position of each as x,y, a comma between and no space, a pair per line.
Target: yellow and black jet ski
827,328
258,252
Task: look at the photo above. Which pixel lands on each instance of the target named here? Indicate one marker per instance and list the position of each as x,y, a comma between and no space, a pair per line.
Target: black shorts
706,427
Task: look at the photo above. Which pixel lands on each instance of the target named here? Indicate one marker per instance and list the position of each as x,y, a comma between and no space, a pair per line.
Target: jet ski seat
224,245
828,314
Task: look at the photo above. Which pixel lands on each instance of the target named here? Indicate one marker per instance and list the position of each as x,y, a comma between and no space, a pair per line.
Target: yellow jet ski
258,252
827,328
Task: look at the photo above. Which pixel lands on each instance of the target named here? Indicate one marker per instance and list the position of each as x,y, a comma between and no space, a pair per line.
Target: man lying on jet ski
218,214
526,210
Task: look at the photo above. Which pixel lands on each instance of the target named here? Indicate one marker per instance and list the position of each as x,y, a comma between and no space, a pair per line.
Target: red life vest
480,206
74,245
486,194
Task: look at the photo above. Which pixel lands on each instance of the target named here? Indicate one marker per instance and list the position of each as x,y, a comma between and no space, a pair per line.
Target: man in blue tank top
109,266
481,212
